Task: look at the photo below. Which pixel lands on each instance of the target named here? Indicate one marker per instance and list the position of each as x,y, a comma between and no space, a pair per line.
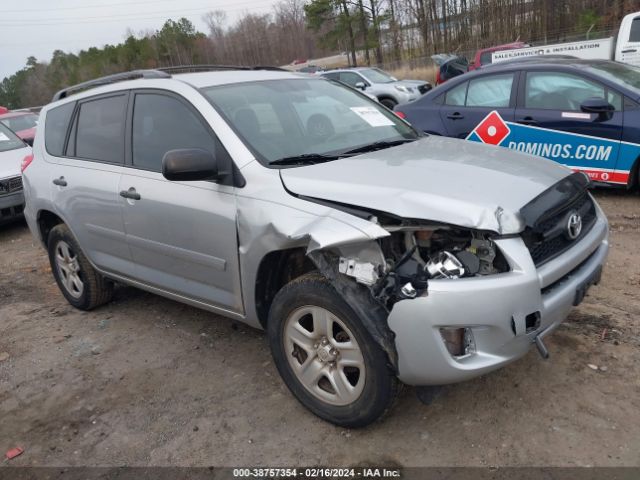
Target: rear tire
325,355
79,282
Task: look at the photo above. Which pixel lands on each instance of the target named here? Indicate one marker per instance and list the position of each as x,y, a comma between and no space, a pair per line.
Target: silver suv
370,253
387,89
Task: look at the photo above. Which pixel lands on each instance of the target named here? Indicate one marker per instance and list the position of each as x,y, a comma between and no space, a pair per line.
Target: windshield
21,122
624,75
281,119
376,75
9,140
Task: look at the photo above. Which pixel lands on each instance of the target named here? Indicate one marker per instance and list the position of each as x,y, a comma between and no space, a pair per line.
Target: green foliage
175,43
588,18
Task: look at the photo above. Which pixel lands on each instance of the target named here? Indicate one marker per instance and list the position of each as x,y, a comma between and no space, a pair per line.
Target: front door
182,235
552,100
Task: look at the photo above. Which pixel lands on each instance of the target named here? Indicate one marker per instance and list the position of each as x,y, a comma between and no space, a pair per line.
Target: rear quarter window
56,126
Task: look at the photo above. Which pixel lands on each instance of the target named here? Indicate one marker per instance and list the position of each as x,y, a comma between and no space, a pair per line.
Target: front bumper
11,206
495,308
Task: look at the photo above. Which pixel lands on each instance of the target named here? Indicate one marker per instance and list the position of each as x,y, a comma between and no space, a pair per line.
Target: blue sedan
584,114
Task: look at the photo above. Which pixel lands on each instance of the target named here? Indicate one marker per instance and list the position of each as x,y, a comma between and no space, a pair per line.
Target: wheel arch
46,221
276,269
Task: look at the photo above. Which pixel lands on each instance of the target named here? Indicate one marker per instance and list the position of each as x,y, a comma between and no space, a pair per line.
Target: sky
38,27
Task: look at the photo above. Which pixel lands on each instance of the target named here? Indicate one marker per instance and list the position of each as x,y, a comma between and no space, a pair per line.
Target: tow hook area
542,349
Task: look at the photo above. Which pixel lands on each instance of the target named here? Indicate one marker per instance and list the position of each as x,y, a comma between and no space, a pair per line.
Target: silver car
370,253
387,89
13,153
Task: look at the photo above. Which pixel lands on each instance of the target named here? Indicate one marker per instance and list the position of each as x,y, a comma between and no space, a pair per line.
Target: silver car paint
424,180
490,303
434,179
381,90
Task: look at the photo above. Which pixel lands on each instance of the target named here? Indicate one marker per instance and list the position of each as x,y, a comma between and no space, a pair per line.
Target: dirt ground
148,381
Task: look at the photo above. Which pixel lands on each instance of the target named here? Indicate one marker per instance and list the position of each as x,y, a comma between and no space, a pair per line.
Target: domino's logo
492,130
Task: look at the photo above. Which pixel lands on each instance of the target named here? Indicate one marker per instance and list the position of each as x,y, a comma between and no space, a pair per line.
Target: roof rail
163,72
117,77
213,68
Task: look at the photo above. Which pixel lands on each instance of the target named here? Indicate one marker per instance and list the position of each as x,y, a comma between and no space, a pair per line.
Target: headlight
402,88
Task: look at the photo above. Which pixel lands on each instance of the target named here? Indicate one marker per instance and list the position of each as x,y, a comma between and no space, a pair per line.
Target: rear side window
493,91
457,95
100,129
162,123
56,126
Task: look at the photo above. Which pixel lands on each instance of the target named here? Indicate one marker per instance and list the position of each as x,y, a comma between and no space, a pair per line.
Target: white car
12,152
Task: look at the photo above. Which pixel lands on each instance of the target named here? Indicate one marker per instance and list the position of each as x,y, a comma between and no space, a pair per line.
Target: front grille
548,238
10,185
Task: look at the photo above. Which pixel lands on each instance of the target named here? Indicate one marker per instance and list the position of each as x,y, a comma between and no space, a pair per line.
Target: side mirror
361,85
597,105
190,164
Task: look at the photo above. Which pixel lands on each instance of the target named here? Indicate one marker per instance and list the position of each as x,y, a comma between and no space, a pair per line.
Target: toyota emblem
574,225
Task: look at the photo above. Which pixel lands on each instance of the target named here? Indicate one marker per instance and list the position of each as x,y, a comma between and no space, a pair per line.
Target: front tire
81,285
326,356
388,102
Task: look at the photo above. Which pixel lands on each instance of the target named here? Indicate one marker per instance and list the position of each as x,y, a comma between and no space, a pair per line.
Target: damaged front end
399,267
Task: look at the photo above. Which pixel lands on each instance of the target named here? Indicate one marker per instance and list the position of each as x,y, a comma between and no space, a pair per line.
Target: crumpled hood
11,160
436,178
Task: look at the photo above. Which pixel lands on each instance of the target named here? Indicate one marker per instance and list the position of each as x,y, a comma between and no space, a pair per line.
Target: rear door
86,178
182,235
467,104
552,100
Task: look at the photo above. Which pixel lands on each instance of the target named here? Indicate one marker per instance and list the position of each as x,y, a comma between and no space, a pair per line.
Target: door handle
61,182
527,121
631,50
130,194
455,116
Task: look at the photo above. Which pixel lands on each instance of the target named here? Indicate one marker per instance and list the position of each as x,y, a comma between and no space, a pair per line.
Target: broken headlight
415,255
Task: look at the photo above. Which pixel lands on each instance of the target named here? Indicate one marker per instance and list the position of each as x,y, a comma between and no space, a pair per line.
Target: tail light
26,161
438,79
402,115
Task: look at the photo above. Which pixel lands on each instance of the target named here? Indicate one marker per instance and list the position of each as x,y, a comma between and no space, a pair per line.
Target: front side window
9,140
377,76
634,34
559,91
486,57
100,129
351,78
305,117
493,91
162,123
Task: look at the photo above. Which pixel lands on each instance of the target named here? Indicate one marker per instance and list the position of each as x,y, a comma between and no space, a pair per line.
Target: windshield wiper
378,146
305,159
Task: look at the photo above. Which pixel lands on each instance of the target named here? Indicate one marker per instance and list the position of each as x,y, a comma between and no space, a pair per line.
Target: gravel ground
148,381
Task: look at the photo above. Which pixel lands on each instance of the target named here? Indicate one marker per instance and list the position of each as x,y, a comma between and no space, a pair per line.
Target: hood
11,160
435,178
